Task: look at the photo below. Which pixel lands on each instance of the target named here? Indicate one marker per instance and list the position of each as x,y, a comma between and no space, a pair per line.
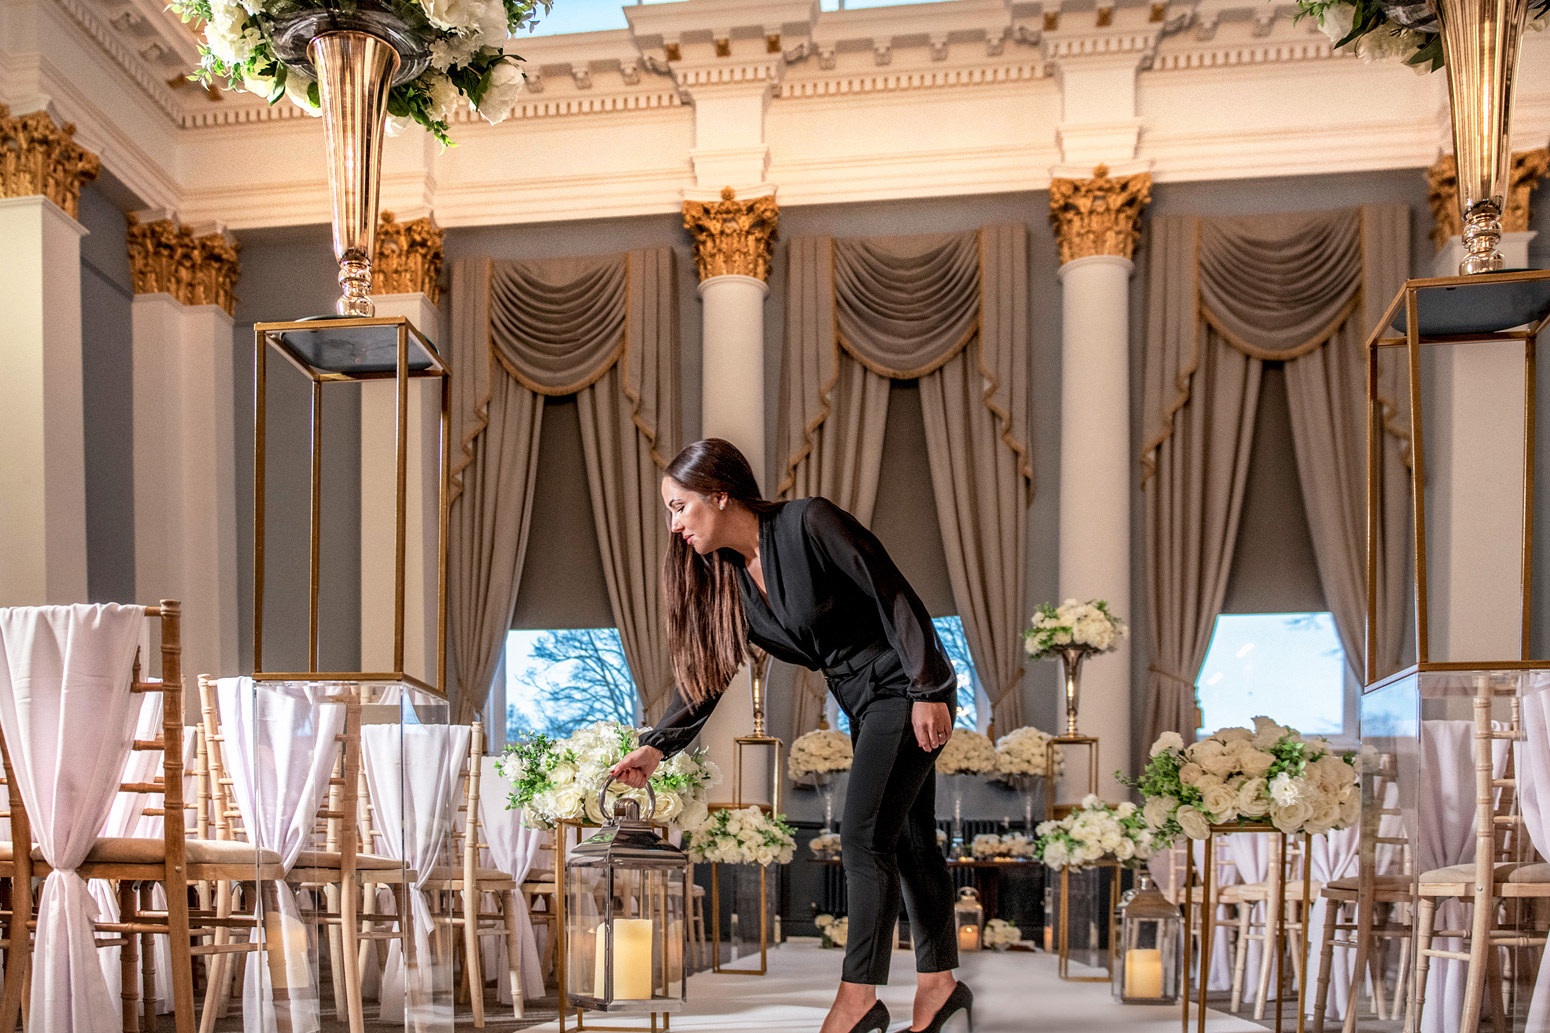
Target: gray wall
107,389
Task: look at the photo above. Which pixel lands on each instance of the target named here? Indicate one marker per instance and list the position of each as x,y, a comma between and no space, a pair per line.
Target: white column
1095,481
1474,435
43,465
379,485
185,500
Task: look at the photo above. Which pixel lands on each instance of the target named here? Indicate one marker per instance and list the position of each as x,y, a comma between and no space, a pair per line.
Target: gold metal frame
715,924
1279,883
563,1005
272,335
1381,338
1051,751
1063,934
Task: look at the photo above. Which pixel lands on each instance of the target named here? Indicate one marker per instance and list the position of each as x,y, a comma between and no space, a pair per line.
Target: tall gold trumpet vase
355,71
1480,43
1071,658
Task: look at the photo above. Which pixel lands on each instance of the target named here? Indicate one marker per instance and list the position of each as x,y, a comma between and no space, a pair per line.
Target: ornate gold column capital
1098,216
409,256
166,258
732,237
38,157
1442,193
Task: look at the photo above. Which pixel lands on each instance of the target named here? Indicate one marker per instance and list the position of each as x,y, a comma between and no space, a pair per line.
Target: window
584,16
950,631
1288,666
559,680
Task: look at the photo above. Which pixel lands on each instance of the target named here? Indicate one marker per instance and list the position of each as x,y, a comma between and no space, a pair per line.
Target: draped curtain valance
604,329
952,311
1224,296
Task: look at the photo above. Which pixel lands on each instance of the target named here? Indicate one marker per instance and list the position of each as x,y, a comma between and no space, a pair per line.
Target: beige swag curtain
952,311
606,330
1225,295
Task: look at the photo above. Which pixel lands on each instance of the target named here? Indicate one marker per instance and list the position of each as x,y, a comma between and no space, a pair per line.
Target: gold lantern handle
611,813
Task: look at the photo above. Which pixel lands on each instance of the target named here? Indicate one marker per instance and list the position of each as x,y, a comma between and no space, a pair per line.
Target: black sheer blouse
834,593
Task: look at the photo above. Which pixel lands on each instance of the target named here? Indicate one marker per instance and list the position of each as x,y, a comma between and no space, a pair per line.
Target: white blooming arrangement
1022,751
833,930
466,40
966,753
1089,625
826,844
1376,30
1001,934
742,836
554,779
819,752
1096,831
1013,846
1271,775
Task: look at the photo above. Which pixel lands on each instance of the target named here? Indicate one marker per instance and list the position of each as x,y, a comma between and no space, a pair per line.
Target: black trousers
888,830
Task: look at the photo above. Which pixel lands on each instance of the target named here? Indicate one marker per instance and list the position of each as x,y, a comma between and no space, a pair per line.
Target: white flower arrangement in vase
459,46
833,931
820,752
1088,626
1001,934
825,844
1377,30
1022,756
1096,831
967,753
742,836
559,779
1272,775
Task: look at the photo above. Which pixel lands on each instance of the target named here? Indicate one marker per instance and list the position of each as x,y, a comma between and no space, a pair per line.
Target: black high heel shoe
874,1021
961,1000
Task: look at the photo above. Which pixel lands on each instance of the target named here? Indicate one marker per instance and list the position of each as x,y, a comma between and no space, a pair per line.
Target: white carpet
1013,993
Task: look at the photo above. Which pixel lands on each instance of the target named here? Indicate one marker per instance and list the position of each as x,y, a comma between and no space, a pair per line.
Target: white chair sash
280,747
513,847
411,771
1534,800
67,714
1336,855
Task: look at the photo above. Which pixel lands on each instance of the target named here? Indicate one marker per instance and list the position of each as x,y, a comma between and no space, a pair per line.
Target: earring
723,503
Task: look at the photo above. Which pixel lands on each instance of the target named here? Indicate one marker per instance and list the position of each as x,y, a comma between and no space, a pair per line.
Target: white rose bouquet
1096,831
1088,625
1022,751
825,844
987,845
1380,29
833,930
823,751
1271,775
1001,934
743,836
554,779
966,753
465,40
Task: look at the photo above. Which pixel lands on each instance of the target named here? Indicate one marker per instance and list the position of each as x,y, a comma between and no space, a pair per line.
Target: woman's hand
636,768
933,724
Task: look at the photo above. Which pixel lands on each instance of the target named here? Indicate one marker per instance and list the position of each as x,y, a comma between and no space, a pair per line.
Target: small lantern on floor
970,917
1146,969
625,928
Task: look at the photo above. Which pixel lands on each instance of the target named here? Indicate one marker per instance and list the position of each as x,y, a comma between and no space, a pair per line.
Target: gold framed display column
352,350
1052,751
1279,879
1063,931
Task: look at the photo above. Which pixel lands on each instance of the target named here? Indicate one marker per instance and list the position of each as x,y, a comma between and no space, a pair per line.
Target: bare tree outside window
562,680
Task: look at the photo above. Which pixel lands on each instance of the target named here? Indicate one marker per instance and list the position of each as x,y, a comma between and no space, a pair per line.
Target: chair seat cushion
454,873
334,859
1353,883
1505,871
137,850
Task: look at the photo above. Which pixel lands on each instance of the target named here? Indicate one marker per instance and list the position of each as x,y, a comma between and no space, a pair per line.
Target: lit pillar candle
1143,973
632,960
968,937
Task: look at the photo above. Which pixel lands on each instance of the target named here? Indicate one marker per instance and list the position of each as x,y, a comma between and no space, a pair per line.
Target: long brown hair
706,629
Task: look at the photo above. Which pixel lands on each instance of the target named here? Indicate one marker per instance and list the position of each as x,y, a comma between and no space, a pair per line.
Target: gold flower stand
1063,929
1279,879
1052,751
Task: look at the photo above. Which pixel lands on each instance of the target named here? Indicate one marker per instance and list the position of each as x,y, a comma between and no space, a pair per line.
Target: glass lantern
626,928
970,916
1147,967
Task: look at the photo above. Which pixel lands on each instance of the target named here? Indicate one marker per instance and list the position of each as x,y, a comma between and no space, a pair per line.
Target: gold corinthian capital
166,257
38,157
732,237
1442,193
1098,216
409,256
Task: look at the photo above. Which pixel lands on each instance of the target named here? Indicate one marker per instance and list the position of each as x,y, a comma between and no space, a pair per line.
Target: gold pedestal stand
561,838
759,665
1052,810
1052,752
1279,879
1063,934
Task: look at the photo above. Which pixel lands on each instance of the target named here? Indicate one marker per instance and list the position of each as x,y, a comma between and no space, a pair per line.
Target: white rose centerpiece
1024,752
1001,934
966,753
1096,831
554,779
461,44
743,836
820,752
1271,775
1073,631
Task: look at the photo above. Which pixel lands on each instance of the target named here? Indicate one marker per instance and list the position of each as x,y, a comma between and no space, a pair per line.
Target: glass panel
586,897
1089,900
354,349
741,902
